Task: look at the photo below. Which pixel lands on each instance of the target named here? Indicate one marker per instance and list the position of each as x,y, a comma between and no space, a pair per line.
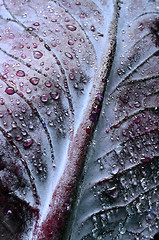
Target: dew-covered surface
119,193
53,58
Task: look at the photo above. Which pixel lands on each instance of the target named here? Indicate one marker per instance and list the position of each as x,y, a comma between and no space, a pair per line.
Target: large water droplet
69,55
34,80
71,27
37,54
20,73
27,143
10,90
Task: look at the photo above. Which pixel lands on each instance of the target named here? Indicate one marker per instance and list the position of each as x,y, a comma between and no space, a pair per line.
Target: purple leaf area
119,191
54,57
79,101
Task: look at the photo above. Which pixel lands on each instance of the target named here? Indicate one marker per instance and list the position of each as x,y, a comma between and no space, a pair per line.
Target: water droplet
30,29
71,76
71,27
70,42
34,80
88,130
23,56
18,138
48,112
31,127
137,120
20,73
82,40
37,54
11,36
35,45
76,85
13,124
28,90
36,24
55,95
67,19
47,47
141,27
44,98
48,83
69,55
107,130
10,90
93,28
137,104
9,212
27,143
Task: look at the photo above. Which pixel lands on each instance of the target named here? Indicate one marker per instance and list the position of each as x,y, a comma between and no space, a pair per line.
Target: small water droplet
107,130
48,83
141,27
55,95
76,85
137,120
36,24
71,76
18,138
44,98
82,40
137,104
47,47
35,45
78,3
11,35
28,90
70,42
93,28
23,56
88,130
